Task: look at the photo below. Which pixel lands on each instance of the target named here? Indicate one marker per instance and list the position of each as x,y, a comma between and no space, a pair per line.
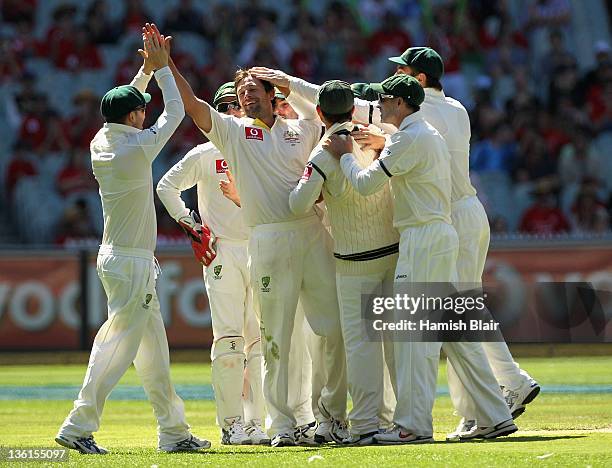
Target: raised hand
277,77
156,48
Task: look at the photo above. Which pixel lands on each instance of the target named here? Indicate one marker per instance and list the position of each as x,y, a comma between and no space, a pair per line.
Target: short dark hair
338,118
412,106
118,120
242,73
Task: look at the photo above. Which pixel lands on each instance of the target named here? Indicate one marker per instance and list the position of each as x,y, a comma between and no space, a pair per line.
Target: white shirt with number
205,166
417,161
121,157
267,162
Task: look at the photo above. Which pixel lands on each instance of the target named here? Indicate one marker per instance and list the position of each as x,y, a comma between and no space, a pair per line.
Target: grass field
569,424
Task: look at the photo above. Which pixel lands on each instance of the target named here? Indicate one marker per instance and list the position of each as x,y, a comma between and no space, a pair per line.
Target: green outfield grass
567,429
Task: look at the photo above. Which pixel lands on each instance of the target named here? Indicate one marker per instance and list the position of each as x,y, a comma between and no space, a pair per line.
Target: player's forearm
303,89
187,95
141,80
365,181
170,197
302,200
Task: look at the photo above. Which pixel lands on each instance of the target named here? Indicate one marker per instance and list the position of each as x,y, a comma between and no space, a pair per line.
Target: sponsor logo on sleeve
221,166
307,172
253,133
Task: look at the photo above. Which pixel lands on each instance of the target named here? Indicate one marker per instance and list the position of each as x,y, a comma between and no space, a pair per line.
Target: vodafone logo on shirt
221,166
253,133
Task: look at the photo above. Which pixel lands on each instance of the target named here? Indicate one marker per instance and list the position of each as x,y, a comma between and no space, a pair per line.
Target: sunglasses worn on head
225,106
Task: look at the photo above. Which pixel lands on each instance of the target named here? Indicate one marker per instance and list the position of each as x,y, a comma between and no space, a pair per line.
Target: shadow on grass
535,438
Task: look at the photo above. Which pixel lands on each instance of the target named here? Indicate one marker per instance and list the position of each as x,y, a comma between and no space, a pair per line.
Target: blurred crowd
535,75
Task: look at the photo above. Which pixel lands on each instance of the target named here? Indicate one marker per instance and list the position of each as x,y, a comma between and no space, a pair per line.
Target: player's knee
230,346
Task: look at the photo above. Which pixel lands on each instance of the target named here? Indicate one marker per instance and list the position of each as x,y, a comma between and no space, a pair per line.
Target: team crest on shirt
291,137
307,172
217,271
265,282
221,166
253,133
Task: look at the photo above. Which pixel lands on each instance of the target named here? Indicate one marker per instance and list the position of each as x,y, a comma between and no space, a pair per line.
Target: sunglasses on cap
225,106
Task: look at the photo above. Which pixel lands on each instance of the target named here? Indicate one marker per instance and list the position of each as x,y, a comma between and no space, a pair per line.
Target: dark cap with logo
121,101
404,86
335,97
225,90
363,91
422,59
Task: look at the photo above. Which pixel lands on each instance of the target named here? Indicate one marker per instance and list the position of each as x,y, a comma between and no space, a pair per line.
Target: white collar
410,120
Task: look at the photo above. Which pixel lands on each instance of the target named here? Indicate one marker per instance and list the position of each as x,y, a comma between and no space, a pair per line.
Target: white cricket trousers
428,254
472,226
237,361
366,359
293,261
134,332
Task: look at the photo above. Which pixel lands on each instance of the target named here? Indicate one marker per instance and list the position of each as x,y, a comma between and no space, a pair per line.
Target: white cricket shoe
361,439
518,398
504,428
305,435
257,435
191,444
465,426
331,430
284,439
235,435
398,435
82,444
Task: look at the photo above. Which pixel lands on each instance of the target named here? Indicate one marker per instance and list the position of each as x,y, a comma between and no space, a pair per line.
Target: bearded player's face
253,98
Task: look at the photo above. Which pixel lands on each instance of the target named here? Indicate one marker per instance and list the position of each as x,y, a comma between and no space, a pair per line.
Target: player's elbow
297,207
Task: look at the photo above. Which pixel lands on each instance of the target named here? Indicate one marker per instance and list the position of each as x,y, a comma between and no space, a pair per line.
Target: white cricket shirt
205,166
417,161
121,158
449,117
362,226
267,162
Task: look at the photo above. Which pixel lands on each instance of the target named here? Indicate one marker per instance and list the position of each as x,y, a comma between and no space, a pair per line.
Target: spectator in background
544,218
265,42
79,53
589,215
20,167
42,128
390,38
533,162
543,17
134,17
75,226
15,11
102,30
76,178
60,35
496,153
578,159
184,17
86,121
557,55
10,63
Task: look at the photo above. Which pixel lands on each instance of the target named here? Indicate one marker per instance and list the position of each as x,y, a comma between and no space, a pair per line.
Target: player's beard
254,111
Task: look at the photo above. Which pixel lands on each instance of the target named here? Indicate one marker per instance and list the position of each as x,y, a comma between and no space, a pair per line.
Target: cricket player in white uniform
450,118
417,161
122,153
236,341
365,247
289,256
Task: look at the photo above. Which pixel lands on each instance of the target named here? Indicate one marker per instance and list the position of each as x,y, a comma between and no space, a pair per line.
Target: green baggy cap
335,97
122,100
363,91
423,59
404,86
226,89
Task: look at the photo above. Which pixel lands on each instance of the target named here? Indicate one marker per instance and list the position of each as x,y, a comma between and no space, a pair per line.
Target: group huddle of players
309,197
